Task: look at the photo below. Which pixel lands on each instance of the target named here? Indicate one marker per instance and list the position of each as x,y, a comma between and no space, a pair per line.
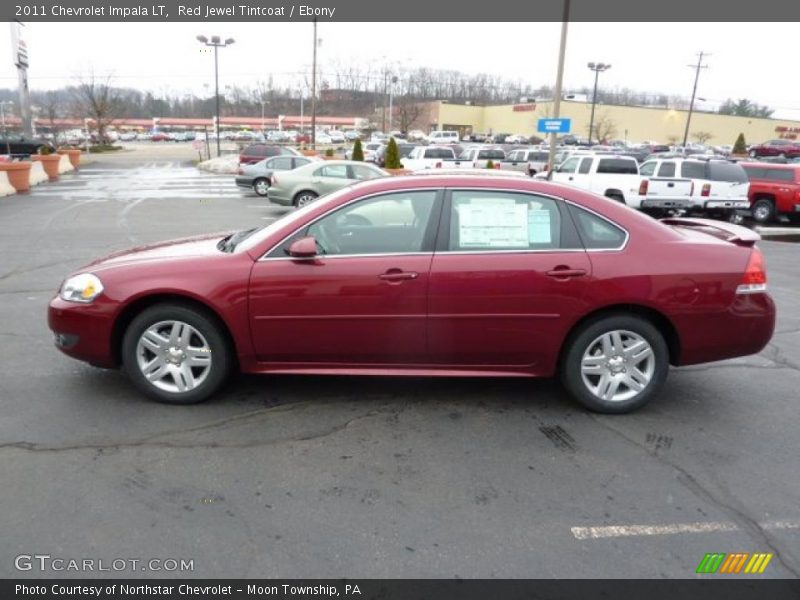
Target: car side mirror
303,248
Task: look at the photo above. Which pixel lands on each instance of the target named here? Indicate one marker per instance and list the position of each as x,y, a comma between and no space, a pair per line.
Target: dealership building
631,123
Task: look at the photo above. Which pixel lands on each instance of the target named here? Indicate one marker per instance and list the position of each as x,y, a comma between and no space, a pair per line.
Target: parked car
482,276
774,190
307,183
160,136
526,160
257,152
322,138
19,145
403,149
434,157
337,137
258,176
781,148
352,135
443,137
706,186
244,136
415,135
480,156
368,149
128,136
610,175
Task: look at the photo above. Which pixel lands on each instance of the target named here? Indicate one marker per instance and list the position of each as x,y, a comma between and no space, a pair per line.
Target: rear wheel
615,364
261,186
616,196
763,210
176,354
303,198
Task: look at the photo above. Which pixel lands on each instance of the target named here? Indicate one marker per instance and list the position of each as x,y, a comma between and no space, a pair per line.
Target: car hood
204,245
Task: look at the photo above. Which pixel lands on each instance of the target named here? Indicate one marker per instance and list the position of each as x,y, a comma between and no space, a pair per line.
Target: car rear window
439,153
618,166
724,171
493,154
538,156
693,170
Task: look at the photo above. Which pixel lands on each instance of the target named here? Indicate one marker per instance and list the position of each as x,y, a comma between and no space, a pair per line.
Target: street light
391,92
3,105
216,42
597,68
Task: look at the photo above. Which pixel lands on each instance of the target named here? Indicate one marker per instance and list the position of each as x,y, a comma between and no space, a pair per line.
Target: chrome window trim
452,189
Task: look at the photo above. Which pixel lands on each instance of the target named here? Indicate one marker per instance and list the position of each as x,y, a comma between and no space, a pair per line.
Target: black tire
299,197
220,363
258,186
586,336
763,210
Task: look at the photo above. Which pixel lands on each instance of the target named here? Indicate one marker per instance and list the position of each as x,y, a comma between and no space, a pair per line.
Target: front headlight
81,288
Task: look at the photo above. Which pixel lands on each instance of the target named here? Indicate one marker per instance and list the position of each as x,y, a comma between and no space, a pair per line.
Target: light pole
391,93
3,105
697,68
562,50
216,42
597,68
262,116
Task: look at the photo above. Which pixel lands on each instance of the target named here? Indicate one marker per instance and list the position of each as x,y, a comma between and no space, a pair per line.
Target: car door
330,178
508,278
362,299
565,173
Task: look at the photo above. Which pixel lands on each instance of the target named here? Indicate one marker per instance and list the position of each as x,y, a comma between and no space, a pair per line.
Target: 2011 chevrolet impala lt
428,275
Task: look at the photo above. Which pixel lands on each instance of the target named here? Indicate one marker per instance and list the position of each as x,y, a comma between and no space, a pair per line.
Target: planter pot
74,155
19,174
331,158
398,171
308,152
50,163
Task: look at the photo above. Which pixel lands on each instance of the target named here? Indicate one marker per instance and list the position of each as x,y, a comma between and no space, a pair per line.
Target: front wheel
615,364
304,198
176,354
763,211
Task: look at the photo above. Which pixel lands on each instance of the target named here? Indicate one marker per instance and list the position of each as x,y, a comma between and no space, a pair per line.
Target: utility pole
20,54
314,92
383,104
559,81
697,68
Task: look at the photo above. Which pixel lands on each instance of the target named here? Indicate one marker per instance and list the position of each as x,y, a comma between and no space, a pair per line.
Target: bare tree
51,107
408,112
702,136
96,98
604,127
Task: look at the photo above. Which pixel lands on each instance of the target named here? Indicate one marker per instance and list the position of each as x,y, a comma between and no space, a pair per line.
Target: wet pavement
361,477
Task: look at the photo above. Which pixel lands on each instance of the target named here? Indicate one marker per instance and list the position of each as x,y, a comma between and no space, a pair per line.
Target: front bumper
244,182
83,331
277,199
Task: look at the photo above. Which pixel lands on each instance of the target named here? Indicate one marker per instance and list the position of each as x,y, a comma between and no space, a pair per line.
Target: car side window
596,232
482,220
586,165
647,169
281,163
338,171
394,223
363,173
569,166
299,162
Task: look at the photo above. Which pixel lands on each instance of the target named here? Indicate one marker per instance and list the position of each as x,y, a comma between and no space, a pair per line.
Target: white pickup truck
616,177
712,187
434,157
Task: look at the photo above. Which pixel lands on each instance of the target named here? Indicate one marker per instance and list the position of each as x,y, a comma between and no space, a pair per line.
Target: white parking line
615,531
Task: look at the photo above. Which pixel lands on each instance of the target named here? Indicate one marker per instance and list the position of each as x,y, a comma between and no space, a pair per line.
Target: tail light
497,165
706,191
755,275
643,187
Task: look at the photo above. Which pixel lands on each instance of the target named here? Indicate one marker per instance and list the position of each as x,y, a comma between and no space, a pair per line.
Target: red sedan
428,275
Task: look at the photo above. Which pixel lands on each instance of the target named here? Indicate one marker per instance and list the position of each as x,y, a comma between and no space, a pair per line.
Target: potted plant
329,154
19,174
358,151
49,161
305,151
74,155
392,162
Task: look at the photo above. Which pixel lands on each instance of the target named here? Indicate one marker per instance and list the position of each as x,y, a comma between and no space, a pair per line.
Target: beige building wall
636,124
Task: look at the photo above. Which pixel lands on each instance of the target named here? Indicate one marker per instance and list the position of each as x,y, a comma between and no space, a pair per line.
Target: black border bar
444,11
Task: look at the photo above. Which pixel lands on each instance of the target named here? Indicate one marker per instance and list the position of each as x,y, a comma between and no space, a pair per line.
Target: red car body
774,189
434,313
254,153
787,148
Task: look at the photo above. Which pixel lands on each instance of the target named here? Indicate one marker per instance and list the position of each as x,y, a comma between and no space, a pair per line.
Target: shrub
329,152
358,151
393,156
490,164
45,150
740,147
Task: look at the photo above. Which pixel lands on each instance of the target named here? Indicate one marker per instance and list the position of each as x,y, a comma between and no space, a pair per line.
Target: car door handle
565,273
398,275
571,178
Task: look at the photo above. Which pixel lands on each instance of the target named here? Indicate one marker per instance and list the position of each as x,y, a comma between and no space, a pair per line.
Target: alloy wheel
173,356
617,366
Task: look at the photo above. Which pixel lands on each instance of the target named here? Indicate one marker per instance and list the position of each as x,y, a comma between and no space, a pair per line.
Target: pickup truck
434,157
614,176
526,160
479,157
774,190
713,187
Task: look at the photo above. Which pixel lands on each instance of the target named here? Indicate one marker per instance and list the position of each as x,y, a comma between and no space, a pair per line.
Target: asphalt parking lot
359,477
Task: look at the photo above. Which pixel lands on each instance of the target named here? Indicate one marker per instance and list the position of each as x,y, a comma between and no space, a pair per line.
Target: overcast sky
649,57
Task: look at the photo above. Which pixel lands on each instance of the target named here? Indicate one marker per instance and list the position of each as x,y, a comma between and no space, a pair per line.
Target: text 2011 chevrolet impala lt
428,275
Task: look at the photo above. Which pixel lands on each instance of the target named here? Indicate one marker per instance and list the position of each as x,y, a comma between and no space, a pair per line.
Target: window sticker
539,226
494,224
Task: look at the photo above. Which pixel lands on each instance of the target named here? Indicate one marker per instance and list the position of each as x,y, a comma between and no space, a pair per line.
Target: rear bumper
83,331
735,204
745,328
674,203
